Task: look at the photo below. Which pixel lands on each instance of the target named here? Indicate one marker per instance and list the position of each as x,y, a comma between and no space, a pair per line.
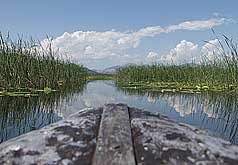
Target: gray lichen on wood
158,139
70,141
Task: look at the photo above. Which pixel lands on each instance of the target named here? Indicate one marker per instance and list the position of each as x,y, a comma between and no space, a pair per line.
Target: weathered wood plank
70,141
114,143
159,140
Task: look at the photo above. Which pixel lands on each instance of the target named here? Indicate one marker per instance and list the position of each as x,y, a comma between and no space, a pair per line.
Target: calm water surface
218,114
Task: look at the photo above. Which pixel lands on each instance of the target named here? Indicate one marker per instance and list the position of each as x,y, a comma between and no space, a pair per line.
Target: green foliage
27,64
100,77
221,72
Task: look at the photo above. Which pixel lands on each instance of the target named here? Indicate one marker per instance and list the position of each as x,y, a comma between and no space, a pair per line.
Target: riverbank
178,87
101,76
27,65
218,73
31,92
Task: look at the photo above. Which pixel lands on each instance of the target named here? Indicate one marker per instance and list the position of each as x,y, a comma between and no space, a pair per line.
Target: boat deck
117,135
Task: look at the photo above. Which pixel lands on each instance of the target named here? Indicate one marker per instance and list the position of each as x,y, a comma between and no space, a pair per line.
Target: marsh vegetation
219,74
27,66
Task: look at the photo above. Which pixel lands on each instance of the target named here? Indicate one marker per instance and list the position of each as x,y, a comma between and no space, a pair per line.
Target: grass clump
27,64
218,74
101,76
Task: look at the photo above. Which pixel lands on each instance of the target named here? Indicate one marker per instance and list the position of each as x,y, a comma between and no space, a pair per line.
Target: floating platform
117,135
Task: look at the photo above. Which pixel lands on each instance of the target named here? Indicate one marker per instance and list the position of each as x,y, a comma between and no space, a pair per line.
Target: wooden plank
114,143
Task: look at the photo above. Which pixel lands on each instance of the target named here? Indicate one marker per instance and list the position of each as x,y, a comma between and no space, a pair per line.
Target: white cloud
152,56
184,52
197,25
89,50
216,14
210,49
149,32
187,52
93,45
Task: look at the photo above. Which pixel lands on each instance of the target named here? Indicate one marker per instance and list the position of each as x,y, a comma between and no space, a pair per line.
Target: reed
27,64
220,73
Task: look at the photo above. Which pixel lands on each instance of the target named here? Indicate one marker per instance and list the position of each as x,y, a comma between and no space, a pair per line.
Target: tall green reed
26,63
222,69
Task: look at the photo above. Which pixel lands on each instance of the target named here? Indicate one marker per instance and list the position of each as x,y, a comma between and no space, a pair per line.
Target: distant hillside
114,69
89,71
111,70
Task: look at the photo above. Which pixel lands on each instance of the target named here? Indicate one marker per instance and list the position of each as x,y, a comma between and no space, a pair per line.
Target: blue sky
109,32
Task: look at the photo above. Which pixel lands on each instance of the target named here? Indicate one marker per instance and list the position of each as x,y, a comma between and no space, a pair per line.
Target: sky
100,34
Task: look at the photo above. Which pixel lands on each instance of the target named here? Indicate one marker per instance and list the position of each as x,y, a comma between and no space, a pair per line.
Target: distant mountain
111,70
91,71
114,69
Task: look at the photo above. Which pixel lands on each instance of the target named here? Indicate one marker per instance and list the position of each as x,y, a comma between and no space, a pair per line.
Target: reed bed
219,73
27,64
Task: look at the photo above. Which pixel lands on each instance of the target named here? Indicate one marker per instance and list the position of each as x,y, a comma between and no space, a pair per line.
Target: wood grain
114,143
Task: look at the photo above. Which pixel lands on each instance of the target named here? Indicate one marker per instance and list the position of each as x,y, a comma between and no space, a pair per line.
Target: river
215,113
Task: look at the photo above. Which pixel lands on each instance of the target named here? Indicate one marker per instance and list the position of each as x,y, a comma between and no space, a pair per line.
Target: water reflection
19,115
216,113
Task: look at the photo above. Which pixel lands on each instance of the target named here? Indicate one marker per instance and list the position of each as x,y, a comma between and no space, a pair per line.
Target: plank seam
99,126
132,139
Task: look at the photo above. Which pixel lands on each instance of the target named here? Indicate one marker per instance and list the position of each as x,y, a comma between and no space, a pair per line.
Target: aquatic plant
220,73
27,64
